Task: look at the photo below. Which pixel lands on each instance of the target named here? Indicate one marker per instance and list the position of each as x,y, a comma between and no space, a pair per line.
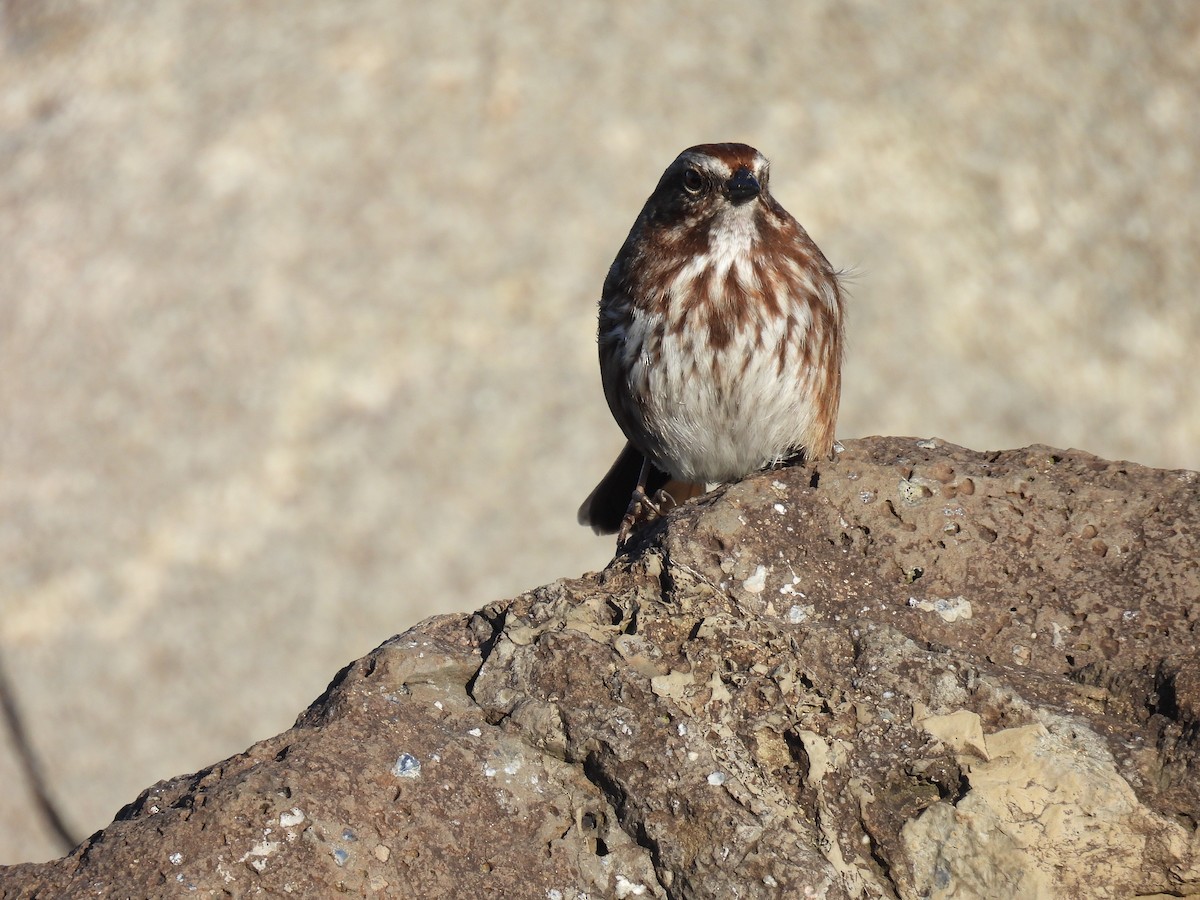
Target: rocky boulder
912,671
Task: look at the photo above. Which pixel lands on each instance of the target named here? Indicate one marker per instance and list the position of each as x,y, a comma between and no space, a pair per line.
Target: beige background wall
297,304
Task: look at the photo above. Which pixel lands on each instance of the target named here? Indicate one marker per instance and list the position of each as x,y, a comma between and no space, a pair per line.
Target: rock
912,671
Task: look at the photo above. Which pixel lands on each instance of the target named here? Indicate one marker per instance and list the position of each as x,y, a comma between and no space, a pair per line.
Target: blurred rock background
297,304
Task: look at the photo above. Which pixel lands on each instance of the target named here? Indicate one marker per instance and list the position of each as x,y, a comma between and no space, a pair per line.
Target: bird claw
642,510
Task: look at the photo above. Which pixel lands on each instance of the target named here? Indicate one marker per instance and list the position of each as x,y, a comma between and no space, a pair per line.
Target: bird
720,339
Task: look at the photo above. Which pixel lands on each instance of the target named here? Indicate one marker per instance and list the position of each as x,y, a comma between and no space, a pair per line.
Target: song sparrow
720,338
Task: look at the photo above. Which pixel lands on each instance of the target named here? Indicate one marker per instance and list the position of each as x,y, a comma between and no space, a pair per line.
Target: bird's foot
642,510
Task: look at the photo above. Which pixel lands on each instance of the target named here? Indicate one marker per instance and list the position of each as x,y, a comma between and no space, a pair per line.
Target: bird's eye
692,181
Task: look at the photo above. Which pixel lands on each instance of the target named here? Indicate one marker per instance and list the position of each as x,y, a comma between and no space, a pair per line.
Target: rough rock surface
912,671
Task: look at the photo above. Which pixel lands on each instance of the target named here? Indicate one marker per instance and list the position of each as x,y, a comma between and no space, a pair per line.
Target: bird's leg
639,505
643,508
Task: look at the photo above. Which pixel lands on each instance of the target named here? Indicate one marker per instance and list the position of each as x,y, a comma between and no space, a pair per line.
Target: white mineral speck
475,732
716,778
291,819
780,508
176,859
261,849
627,888
951,609
756,582
406,766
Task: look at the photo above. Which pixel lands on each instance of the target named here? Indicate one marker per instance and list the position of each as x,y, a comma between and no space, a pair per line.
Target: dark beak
743,185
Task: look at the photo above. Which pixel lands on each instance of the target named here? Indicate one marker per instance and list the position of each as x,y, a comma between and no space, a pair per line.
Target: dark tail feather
605,506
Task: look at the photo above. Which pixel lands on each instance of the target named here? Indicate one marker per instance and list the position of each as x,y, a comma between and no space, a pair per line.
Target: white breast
713,416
